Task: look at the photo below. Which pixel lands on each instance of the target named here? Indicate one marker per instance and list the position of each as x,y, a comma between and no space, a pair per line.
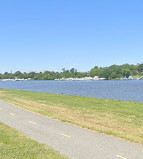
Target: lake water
120,90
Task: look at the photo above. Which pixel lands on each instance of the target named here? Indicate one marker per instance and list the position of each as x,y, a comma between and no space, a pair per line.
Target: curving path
70,140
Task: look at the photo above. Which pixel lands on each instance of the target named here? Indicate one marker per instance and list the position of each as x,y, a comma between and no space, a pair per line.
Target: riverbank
116,118
14,144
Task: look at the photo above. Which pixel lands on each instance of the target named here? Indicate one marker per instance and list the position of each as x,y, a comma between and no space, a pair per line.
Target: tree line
111,72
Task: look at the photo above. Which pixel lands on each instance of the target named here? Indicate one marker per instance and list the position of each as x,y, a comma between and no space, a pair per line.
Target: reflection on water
120,90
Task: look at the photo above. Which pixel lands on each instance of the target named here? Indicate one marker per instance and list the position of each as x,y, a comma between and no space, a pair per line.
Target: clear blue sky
54,34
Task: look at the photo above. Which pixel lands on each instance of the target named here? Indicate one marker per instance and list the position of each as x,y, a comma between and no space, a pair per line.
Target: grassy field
15,145
116,118
137,76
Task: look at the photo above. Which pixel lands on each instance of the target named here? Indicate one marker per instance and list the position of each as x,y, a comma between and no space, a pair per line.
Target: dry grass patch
106,116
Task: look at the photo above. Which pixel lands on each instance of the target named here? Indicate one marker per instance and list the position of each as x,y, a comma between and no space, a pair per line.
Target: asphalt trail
69,140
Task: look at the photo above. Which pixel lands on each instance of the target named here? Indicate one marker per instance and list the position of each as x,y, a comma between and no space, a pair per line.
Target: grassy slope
117,118
14,145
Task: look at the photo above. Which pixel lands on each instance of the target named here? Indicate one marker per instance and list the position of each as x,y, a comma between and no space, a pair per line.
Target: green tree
63,69
126,73
140,68
113,75
106,73
95,72
73,70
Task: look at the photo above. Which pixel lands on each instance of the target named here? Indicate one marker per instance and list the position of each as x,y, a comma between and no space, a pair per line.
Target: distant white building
95,78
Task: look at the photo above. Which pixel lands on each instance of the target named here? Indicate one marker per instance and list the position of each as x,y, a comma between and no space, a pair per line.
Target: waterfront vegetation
111,72
117,118
15,145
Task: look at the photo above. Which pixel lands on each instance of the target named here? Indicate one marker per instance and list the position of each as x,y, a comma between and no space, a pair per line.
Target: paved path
72,141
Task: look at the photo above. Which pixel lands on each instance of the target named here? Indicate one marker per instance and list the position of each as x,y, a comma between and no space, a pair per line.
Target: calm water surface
120,90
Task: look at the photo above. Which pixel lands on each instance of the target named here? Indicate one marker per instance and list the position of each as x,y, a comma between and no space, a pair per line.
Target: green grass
112,117
15,145
137,76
